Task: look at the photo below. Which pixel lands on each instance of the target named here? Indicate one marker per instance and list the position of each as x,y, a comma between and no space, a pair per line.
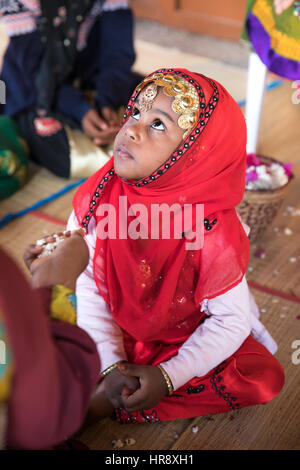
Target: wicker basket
259,207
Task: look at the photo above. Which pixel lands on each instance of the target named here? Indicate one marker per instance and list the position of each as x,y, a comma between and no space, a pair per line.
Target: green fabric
13,158
286,22
244,35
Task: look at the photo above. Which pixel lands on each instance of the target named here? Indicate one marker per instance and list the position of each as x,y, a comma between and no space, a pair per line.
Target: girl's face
147,139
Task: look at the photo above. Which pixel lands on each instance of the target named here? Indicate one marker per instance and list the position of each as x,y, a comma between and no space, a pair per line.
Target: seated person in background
58,51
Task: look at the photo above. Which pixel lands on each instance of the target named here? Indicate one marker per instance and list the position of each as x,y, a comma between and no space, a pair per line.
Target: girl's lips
123,152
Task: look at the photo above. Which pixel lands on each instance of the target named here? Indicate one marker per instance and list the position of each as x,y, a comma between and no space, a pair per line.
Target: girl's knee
263,374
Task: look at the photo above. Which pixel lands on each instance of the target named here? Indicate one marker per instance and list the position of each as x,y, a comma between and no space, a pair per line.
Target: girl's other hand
281,5
152,388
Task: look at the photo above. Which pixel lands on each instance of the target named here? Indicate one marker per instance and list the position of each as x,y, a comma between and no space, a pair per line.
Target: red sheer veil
154,286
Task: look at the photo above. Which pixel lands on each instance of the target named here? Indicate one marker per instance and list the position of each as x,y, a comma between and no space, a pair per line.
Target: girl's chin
125,169
125,173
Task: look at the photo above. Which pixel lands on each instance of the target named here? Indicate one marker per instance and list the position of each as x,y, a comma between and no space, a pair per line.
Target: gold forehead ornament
185,103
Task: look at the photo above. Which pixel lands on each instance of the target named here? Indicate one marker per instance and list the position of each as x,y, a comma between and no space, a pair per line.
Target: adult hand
30,255
63,266
93,124
116,384
112,119
152,388
110,116
281,5
101,131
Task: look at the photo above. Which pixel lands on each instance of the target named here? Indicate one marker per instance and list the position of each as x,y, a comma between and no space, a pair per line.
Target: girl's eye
158,125
136,114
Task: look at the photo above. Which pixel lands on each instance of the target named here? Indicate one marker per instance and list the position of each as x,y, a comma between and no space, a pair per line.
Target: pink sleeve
93,314
231,318
222,333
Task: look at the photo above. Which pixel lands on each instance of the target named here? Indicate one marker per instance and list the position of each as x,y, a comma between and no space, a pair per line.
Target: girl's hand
281,5
116,384
152,389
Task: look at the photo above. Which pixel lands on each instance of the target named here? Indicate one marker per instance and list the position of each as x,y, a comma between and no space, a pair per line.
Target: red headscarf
154,287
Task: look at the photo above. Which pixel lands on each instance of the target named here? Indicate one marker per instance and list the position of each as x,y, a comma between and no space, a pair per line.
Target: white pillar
255,92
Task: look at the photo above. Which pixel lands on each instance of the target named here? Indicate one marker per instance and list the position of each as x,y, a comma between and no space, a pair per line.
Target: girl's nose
133,132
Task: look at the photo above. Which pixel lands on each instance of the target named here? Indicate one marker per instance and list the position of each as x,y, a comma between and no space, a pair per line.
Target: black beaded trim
125,417
209,225
193,136
96,196
191,390
219,388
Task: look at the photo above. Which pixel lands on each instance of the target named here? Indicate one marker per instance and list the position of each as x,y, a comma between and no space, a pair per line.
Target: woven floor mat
61,208
275,257
41,184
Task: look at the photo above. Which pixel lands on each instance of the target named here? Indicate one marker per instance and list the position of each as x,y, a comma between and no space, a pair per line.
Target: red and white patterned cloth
19,17
46,126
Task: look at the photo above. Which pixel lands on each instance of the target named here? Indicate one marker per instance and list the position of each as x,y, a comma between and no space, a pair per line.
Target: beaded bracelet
167,379
111,368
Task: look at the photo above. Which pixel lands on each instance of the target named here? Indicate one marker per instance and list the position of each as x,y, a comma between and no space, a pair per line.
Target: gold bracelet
167,379
111,368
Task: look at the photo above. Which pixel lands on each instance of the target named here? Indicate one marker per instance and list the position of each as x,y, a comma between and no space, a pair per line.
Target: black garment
52,152
59,57
103,65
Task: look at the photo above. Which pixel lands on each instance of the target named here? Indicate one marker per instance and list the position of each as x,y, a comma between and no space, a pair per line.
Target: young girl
176,329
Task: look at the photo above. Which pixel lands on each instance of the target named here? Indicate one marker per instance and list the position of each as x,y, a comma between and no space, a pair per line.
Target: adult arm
54,363
93,314
116,57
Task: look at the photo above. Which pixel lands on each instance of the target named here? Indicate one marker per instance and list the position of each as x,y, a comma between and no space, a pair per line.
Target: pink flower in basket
288,168
251,176
253,160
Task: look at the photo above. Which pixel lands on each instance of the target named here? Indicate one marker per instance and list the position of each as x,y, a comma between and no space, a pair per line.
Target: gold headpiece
186,100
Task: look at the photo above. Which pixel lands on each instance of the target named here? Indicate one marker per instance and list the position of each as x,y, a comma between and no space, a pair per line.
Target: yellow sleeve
63,304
